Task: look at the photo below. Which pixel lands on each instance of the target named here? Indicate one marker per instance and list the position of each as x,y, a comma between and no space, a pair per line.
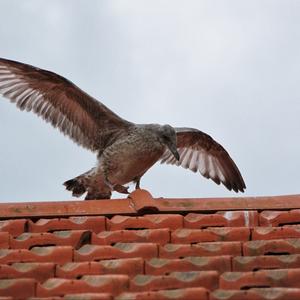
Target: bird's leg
117,187
137,183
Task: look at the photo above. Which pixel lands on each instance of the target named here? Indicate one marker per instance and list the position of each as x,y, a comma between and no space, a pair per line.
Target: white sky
230,68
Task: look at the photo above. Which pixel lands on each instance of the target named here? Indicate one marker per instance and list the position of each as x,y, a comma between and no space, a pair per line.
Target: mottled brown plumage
125,150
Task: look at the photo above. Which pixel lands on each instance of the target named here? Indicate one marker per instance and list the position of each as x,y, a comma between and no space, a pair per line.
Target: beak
174,151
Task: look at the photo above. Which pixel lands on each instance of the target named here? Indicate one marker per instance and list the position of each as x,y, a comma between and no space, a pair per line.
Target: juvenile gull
125,150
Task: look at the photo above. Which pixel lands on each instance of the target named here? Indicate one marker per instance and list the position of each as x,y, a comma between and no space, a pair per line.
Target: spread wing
58,101
199,152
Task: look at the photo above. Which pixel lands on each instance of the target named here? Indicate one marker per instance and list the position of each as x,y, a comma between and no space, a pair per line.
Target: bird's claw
121,189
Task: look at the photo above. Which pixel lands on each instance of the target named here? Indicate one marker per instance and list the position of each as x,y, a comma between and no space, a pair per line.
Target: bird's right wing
200,152
58,101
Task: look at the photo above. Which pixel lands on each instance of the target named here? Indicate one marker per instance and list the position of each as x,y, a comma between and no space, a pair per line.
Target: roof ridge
141,201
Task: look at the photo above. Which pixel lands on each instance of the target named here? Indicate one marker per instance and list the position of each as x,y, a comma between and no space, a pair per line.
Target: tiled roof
144,248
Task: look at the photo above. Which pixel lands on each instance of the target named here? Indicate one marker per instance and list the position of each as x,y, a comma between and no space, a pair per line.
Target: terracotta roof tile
175,280
89,296
128,266
199,293
162,266
279,218
17,288
254,263
257,294
200,249
261,278
272,233
4,240
96,224
144,248
13,227
119,250
79,296
160,236
191,236
147,221
113,284
268,247
60,254
38,271
222,219
27,240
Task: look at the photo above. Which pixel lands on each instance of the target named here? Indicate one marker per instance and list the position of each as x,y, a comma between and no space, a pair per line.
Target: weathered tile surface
184,252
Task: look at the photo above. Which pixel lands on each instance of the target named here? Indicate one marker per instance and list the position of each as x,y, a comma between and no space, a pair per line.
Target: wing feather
61,103
199,152
195,161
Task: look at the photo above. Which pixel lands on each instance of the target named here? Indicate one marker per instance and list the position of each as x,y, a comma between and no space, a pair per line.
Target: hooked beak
174,151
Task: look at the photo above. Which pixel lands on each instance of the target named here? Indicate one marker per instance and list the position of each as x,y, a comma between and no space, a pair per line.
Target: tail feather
77,188
93,185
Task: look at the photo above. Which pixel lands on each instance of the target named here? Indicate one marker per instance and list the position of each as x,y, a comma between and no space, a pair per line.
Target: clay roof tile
145,248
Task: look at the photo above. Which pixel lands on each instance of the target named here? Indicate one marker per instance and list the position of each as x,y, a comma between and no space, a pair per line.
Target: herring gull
125,150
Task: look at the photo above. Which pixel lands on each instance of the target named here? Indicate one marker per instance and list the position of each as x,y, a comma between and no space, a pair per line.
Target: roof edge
141,201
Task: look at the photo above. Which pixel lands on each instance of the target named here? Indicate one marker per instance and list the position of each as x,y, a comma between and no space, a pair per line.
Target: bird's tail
90,182
75,186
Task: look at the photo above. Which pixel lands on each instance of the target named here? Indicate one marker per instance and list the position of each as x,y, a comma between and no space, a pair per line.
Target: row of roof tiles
154,266
97,224
198,253
121,287
63,254
161,236
198,293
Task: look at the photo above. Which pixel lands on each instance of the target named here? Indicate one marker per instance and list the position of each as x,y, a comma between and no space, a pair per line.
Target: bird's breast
131,157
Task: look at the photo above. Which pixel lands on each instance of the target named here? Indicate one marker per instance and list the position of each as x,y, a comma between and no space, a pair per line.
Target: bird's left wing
200,152
57,100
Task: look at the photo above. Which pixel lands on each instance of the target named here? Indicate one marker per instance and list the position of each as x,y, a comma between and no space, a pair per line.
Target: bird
125,150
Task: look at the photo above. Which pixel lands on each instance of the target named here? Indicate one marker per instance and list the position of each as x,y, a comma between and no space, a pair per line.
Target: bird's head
168,137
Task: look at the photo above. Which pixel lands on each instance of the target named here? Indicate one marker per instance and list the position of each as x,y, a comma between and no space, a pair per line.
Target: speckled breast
131,157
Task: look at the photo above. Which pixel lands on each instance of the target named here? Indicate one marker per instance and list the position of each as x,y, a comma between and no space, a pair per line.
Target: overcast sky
229,68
